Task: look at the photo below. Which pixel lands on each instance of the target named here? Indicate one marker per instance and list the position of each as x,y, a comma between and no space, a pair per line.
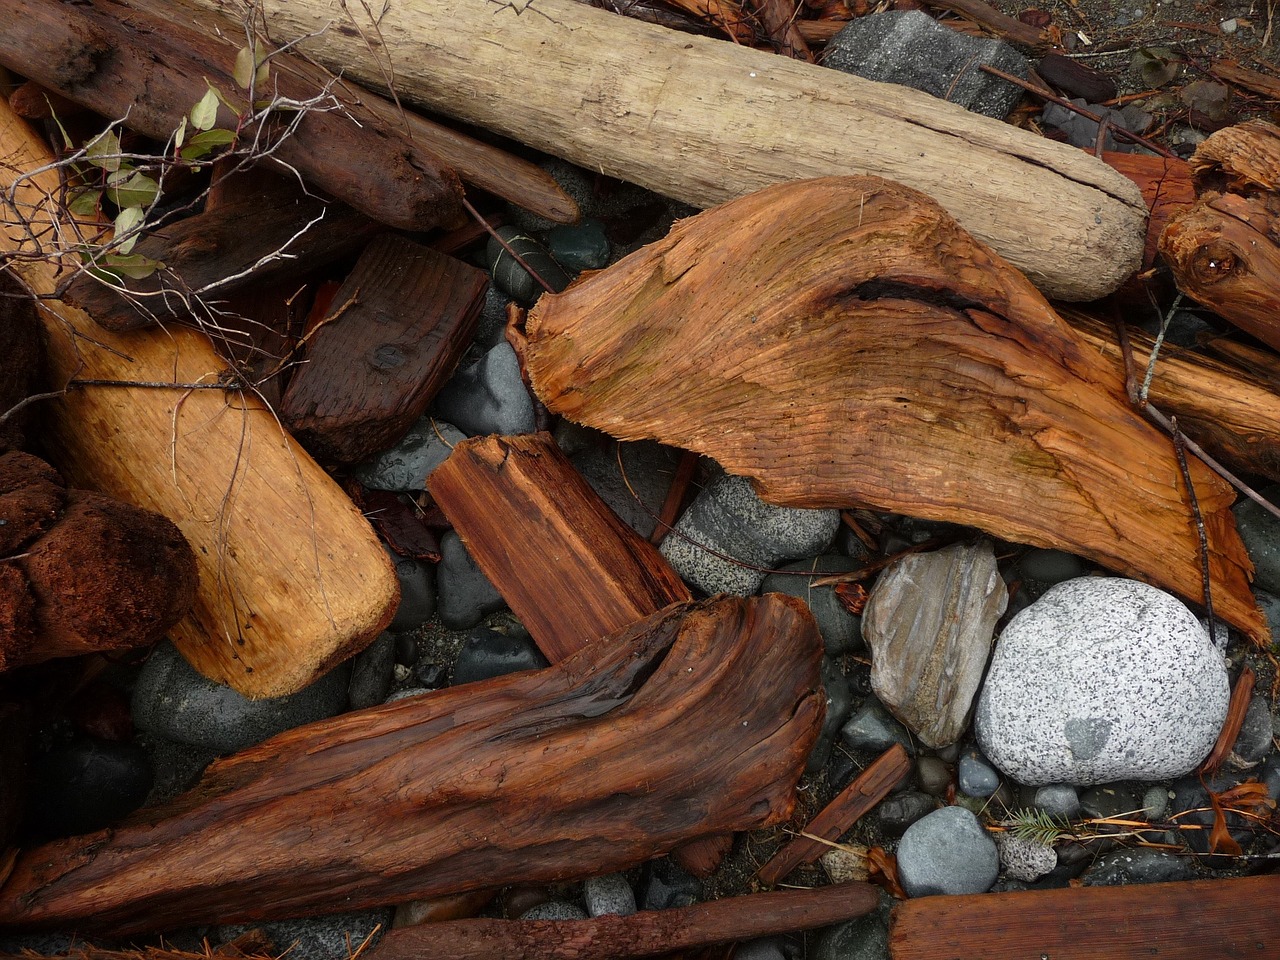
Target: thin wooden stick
1240,696
1180,449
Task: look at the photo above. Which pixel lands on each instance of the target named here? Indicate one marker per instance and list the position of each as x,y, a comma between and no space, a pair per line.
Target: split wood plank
566,564
1166,188
694,721
292,579
853,802
644,934
705,121
395,331
217,253
1190,920
922,376
124,63
480,164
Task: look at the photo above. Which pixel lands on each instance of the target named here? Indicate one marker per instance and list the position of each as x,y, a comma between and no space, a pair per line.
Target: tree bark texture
705,121
643,934
292,579
123,63
844,342
1190,920
696,720
566,564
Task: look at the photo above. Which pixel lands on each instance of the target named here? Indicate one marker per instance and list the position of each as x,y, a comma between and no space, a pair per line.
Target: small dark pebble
406,650
487,653
1137,865
901,810
839,703
86,785
512,278
430,675
665,884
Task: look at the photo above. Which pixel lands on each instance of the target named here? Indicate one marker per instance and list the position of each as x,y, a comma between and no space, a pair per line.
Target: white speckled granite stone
1102,679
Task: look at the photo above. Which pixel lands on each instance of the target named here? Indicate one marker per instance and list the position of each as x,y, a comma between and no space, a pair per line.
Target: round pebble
1058,800
1024,859
609,894
976,777
487,653
947,852
934,776
555,910
872,727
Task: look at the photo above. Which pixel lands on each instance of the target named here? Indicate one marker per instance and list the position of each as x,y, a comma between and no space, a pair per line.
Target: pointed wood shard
693,721
842,341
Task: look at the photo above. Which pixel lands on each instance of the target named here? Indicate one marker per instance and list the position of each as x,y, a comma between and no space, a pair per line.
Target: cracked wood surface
844,342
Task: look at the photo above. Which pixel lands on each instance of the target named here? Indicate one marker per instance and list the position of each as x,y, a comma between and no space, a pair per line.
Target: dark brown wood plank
392,338
1192,920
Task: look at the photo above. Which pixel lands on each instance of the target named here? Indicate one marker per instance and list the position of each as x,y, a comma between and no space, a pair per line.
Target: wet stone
872,728
665,884
899,811
487,653
933,775
1044,568
1111,800
407,465
1256,733
864,938
465,596
1260,532
85,785
1155,803
1137,865
417,592
912,49
581,246
512,278
765,948
555,910
947,852
841,630
372,673
649,469
839,704
609,894
488,397
975,776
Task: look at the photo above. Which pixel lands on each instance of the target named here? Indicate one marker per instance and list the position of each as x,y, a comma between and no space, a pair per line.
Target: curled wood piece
1243,158
694,721
843,341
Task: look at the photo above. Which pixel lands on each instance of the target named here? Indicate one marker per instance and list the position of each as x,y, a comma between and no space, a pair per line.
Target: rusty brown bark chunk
842,342
642,934
1191,920
694,721
568,567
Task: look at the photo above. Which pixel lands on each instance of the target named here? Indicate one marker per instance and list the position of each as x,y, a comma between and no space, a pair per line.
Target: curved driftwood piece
705,121
696,720
843,341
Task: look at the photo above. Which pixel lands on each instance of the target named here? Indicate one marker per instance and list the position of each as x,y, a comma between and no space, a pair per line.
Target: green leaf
85,203
202,144
251,67
136,191
180,134
104,151
128,219
134,266
205,113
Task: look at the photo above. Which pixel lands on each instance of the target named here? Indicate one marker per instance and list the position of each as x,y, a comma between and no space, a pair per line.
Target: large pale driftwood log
695,720
705,121
292,579
1192,920
843,341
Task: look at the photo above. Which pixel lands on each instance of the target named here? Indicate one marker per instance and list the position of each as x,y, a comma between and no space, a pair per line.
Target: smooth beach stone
487,653
85,785
841,630
464,594
609,894
407,465
488,397
949,852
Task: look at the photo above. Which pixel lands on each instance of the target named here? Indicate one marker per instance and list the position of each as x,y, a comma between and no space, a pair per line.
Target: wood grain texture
566,564
872,353
693,721
705,121
292,579
1191,920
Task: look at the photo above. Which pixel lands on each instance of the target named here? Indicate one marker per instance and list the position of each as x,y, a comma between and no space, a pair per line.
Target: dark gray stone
841,630
487,653
464,594
728,517
765,948
609,894
334,936
1260,532
1190,806
929,622
515,280
839,704
1256,733
85,785
581,246
1047,567
900,810
933,775
665,884
947,852
872,728
417,592
1058,800
912,49
372,673
1110,800
173,701
975,776
649,469
866,938
1137,865
1083,132
408,464
488,397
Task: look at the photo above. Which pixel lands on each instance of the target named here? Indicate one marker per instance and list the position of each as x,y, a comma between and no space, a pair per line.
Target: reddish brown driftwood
846,808
607,759
568,567
122,62
393,335
1192,920
844,342
642,934
1166,187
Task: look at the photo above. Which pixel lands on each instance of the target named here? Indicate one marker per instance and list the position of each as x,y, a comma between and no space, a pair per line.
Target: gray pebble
841,630
975,776
1255,739
515,280
1059,800
487,653
1024,859
839,703
865,938
1155,803
665,884
464,594
1111,800
372,673
417,592
555,910
933,775
407,465
610,894
872,727
488,397
765,948
1048,567
173,701
900,810
649,469
1260,532
581,246
947,852
1137,865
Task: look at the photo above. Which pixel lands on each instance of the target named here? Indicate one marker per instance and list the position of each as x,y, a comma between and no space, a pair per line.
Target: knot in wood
1215,262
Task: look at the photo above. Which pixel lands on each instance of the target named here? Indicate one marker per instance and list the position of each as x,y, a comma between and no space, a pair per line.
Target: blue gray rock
912,49
84,785
1256,733
173,701
580,246
841,630
975,776
334,936
900,810
649,469
417,592
488,397
1155,802
514,278
609,894
872,728
1260,531
407,465
1024,859
464,594
1083,132
487,653
928,623
947,852
1102,679
729,518
1137,865
555,910
1058,800
372,673
839,703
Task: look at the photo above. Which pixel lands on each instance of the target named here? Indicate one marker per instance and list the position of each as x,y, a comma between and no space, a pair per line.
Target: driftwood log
1191,920
292,579
898,364
693,721
705,121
